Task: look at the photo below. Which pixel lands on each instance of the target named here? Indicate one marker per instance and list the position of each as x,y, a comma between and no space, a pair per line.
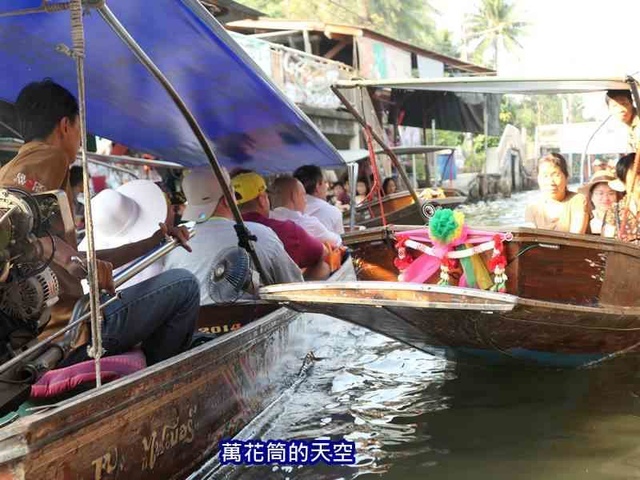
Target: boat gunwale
505,301
520,234
14,442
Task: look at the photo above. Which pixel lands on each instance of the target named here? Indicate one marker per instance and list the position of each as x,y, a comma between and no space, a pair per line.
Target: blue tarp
248,120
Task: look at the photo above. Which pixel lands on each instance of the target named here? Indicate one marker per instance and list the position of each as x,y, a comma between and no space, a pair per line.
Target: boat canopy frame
509,86
78,8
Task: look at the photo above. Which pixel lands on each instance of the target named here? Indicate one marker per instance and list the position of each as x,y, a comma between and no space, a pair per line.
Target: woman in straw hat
600,197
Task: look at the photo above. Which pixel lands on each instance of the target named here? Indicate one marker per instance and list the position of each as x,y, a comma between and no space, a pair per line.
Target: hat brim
199,213
617,185
153,210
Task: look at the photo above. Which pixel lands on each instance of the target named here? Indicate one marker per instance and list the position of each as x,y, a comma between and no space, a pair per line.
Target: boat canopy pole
352,172
244,236
586,149
385,147
636,163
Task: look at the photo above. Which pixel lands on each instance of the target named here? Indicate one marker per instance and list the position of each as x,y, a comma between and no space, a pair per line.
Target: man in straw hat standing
160,313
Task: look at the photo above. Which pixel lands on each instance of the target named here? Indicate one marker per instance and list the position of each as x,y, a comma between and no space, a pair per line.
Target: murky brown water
414,416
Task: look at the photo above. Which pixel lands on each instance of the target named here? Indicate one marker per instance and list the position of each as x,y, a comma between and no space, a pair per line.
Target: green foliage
445,138
443,43
407,20
494,26
531,111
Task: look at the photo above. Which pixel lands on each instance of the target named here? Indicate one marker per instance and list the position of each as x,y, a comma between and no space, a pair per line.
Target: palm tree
494,26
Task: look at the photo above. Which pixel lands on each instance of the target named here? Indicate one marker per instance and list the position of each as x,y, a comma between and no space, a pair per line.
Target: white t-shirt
217,234
312,225
329,215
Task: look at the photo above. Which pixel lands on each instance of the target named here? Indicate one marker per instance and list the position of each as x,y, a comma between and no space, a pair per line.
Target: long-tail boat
398,207
179,96
519,295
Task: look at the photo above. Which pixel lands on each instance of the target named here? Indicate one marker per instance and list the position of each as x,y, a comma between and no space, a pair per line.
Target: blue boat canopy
250,123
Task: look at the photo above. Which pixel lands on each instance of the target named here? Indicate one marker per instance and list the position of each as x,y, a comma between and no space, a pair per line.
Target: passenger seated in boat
307,252
389,186
340,197
127,215
559,209
215,232
289,202
600,197
362,190
622,219
316,187
160,313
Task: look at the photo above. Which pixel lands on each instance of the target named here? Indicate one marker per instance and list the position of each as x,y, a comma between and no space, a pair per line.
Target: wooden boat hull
471,325
399,209
163,421
571,301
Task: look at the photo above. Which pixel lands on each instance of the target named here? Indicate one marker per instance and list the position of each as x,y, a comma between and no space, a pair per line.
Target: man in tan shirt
160,313
620,104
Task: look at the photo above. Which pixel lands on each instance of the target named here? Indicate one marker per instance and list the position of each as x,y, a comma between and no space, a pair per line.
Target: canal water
414,416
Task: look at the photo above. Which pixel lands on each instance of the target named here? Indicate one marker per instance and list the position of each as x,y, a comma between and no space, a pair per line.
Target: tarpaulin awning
458,103
247,119
497,85
457,112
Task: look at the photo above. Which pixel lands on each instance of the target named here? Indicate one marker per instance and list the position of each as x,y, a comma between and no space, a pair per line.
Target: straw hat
601,176
127,214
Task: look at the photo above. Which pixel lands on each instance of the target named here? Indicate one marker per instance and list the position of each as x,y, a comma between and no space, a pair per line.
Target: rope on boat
611,356
77,53
47,7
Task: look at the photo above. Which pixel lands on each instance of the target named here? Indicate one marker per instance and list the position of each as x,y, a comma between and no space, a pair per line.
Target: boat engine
28,286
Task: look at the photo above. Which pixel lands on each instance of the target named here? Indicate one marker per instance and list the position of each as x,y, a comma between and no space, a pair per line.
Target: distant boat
399,207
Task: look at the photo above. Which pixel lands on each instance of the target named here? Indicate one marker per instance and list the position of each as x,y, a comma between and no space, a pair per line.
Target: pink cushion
57,382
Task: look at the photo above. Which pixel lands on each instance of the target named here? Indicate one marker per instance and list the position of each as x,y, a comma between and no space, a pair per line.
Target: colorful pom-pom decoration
446,226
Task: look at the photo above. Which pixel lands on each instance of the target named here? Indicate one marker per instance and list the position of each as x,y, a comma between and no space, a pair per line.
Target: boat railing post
381,142
244,236
352,172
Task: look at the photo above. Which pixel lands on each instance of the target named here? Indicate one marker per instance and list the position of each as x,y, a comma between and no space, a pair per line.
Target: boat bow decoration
449,244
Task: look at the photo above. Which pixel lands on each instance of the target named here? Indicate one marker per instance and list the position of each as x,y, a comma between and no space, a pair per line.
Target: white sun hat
127,214
203,192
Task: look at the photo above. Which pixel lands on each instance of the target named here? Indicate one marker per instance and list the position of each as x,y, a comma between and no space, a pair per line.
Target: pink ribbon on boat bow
425,266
